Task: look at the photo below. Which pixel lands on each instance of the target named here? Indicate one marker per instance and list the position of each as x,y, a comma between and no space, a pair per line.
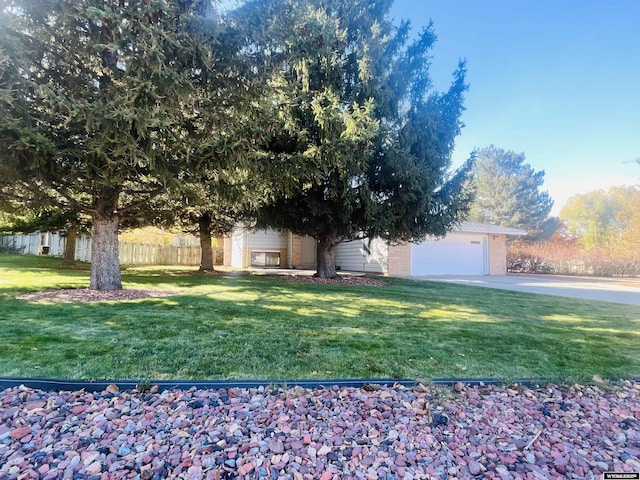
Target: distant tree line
598,234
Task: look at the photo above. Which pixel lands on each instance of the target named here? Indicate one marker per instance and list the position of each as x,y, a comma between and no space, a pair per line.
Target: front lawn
263,327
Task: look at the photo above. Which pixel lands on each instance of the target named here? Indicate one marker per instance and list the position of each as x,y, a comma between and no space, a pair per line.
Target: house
471,249
46,243
269,248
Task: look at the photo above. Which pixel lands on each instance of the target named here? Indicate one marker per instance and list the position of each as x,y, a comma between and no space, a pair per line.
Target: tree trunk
70,246
105,258
105,261
206,256
327,256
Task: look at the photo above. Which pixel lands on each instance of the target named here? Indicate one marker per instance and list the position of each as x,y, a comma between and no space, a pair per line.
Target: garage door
456,254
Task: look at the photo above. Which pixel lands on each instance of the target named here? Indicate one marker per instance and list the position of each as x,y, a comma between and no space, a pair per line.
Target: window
265,259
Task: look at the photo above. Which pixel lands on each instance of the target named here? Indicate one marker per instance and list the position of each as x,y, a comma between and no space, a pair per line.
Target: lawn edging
49,384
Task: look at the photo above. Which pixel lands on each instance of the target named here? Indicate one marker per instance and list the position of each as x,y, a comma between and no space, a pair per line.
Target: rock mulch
328,433
84,295
347,280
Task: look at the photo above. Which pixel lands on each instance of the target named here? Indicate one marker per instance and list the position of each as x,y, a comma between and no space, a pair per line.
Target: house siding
266,241
352,256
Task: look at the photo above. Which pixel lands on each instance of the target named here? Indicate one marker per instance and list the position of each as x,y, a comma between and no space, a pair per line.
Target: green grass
261,327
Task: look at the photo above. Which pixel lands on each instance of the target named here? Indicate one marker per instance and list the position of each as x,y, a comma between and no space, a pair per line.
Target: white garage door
456,254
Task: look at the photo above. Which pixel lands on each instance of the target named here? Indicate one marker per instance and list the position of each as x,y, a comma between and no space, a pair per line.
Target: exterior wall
497,254
383,258
305,252
400,259
266,241
353,256
284,254
227,252
296,251
241,243
237,247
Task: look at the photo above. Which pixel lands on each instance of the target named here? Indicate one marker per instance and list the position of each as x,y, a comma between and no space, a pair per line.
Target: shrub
562,256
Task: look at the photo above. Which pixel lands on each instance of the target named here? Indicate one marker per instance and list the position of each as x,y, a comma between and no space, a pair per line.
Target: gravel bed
371,432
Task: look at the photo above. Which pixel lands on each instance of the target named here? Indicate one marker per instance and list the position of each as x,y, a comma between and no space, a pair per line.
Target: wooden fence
142,254
130,253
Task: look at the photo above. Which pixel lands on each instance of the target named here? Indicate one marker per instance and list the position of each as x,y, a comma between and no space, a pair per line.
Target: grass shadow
261,327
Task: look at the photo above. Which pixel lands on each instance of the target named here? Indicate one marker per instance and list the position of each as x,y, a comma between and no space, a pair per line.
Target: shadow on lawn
265,327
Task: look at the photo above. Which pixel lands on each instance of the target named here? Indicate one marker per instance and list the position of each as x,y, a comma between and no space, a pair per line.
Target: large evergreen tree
508,191
219,187
357,114
209,205
106,95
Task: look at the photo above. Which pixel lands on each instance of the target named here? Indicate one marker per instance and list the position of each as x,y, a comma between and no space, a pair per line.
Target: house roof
474,227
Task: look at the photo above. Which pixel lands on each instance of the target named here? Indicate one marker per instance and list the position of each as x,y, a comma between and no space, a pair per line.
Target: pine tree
107,97
356,112
508,191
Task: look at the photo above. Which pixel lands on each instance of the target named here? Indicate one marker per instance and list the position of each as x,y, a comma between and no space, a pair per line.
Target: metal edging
50,384
101,385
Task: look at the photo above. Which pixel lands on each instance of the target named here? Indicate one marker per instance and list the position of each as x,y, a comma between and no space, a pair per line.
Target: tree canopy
320,115
354,103
605,218
508,191
105,102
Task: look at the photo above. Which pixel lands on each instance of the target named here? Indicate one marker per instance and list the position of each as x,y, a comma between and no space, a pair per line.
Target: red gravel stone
35,405
347,433
21,432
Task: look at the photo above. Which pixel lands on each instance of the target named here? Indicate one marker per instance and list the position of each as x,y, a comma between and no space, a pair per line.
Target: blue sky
557,80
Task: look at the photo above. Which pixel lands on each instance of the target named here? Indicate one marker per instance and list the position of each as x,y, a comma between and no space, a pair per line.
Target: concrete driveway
604,289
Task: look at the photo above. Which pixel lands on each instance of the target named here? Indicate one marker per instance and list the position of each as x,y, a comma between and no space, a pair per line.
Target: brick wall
497,254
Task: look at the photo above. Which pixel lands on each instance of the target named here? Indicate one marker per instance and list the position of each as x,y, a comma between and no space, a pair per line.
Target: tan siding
227,252
497,254
296,251
243,243
267,241
400,259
